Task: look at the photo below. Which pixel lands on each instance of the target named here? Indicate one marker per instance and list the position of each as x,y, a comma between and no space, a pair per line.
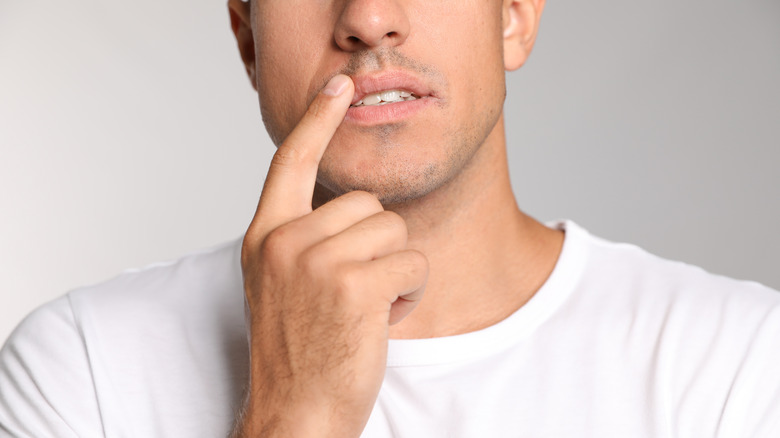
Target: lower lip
389,113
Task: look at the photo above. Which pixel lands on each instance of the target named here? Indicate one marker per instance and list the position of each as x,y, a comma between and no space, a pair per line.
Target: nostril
354,41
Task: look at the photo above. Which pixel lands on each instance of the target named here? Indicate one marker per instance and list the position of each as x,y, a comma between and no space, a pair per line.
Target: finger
373,237
403,276
333,217
289,185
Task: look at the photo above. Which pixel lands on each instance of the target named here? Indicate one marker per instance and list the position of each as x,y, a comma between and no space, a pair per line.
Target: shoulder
162,305
43,368
651,297
626,271
196,279
681,299
174,313
712,343
75,364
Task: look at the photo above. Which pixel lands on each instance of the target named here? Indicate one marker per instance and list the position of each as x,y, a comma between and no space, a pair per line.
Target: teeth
391,96
372,99
386,97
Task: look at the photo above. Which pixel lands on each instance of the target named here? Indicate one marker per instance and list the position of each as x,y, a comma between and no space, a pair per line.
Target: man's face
446,54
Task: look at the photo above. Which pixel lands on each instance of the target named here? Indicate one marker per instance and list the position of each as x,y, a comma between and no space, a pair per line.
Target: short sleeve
46,387
753,407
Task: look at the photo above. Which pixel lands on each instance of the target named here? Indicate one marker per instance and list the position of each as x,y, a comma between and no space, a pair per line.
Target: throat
472,288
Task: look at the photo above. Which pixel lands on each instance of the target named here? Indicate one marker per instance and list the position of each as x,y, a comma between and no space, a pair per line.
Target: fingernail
336,85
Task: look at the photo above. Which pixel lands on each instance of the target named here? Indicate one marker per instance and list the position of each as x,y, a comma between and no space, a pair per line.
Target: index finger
289,185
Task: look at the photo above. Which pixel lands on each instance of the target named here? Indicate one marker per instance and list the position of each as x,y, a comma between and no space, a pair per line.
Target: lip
391,112
388,80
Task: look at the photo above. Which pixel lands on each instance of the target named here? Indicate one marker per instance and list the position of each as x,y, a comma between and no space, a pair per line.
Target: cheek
286,64
470,40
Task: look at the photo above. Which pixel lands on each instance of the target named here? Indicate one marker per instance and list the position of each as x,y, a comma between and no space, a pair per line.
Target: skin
355,222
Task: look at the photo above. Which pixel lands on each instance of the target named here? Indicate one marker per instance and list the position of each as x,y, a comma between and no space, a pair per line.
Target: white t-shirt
617,343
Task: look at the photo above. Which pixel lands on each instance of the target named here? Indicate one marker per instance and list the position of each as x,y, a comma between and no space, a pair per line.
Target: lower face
402,151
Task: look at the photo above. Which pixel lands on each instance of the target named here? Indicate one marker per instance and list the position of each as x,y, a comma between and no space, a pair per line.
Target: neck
487,258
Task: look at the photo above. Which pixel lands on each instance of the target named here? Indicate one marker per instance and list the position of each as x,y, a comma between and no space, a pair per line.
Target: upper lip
366,84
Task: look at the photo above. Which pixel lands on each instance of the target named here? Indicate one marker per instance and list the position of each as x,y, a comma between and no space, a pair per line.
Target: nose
366,24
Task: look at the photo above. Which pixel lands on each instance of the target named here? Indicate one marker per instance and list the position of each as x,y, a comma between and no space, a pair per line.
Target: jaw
405,162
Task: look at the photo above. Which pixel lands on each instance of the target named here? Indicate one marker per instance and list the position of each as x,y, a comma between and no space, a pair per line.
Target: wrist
292,420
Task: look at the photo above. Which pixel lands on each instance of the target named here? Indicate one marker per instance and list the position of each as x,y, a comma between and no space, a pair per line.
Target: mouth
388,97
385,97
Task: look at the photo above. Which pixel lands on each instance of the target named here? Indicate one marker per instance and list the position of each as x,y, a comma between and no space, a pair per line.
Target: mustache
384,57
366,61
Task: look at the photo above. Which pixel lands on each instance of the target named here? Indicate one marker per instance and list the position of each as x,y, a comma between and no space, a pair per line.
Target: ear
521,23
241,23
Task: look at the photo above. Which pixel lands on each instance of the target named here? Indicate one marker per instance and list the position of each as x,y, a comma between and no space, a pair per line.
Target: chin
393,173
390,184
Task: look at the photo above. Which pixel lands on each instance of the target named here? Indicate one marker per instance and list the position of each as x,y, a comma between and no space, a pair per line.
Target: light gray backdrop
129,134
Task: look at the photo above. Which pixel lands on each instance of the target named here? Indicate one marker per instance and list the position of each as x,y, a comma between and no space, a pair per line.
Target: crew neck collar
521,323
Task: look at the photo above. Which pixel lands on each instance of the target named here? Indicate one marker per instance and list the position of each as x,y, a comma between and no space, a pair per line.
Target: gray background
129,134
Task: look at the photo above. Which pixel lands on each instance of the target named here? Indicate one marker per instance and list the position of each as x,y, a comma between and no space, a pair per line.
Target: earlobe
240,22
521,24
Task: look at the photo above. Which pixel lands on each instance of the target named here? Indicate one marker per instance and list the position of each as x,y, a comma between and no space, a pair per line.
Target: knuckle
313,261
253,237
285,155
414,263
288,156
347,282
394,221
248,250
371,202
251,247
418,260
276,245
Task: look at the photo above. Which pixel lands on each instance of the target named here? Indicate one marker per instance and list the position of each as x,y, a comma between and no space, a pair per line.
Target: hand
322,288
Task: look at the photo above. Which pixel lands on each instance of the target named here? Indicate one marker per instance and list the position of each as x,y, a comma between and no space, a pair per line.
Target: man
391,179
